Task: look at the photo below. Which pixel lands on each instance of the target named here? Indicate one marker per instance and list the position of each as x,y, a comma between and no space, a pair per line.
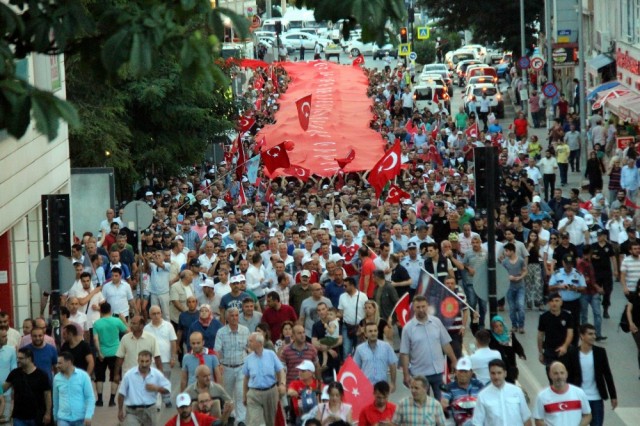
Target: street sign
524,63
564,36
537,62
65,268
413,56
137,215
256,22
550,90
481,285
423,33
404,49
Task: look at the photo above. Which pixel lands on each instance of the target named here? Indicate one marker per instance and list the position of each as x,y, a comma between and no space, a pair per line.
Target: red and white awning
609,95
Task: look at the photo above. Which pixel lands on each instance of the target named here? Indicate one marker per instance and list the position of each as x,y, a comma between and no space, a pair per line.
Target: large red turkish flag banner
340,117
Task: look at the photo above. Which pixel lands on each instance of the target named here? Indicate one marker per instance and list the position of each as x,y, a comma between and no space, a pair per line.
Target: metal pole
547,29
581,86
140,262
491,230
523,52
268,7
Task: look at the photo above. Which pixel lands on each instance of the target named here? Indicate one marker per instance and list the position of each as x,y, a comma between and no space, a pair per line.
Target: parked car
461,69
381,52
294,39
355,46
423,95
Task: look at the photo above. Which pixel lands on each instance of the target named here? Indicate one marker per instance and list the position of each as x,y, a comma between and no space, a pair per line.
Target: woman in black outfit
508,345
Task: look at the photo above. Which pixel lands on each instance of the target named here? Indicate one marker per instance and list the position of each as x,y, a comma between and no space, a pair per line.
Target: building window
628,21
636,21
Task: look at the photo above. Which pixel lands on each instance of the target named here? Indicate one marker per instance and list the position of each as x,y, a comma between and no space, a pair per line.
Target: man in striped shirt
630,270
458,326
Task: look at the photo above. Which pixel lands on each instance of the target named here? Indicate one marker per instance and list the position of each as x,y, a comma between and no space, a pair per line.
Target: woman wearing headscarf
508,345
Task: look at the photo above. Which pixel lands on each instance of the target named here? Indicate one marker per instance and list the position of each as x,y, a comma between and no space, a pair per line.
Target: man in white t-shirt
167,340
89,299
483,355
577,229
561,403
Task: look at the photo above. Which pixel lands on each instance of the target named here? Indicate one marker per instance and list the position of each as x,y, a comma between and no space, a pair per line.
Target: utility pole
523,53
581,86
268,7
547,29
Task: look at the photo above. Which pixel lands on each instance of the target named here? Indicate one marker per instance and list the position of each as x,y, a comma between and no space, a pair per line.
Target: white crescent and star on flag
394,161
344,378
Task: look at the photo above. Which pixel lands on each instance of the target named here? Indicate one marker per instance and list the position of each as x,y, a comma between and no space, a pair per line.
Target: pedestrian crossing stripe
404,49
423,33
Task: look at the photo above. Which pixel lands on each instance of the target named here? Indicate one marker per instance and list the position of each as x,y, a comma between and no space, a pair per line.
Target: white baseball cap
183,400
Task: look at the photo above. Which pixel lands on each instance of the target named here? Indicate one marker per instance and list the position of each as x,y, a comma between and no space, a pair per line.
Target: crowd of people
259,305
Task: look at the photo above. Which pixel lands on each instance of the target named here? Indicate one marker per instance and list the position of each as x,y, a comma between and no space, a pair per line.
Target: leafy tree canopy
495,22
128,38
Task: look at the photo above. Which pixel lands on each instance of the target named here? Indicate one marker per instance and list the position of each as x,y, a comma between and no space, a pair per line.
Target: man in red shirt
276,314
381,411
186,416
366,284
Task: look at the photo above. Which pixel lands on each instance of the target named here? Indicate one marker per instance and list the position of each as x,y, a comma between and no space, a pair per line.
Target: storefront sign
627,62
624,141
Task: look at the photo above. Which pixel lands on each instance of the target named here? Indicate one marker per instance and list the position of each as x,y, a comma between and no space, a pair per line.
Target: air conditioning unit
603,40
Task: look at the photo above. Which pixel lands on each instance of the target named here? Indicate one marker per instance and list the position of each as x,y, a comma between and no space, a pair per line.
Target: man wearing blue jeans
517,270
592,296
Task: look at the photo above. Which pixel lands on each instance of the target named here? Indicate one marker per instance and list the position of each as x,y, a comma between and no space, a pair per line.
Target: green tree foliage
496,22
426,49
124,38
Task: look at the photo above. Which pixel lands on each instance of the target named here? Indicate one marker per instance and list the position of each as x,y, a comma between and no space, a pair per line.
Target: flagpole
450,291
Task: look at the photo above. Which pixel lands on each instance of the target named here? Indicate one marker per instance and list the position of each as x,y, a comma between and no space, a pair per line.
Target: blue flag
252,169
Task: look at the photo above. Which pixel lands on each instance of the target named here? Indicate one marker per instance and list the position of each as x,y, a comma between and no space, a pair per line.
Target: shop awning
620,106
607,95
632,110
599,61
604,86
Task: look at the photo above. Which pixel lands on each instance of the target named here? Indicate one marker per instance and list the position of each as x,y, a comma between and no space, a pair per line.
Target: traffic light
412,15
485,188
278,27
56,224
403,35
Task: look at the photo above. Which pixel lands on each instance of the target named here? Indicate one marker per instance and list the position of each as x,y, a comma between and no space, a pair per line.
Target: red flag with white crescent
242,159
472,131
387,168
359,60
403,310
300,172
304,111
242,197
630,204
342,162
434,132
258,83
436,99
276,158
245,124
358,390
396,195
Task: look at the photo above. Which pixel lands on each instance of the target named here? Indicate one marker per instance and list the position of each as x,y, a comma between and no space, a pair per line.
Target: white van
423,97
270,25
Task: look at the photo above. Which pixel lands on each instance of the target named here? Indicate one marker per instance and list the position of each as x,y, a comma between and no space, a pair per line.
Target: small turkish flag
276,158
434,156
258,146
434,132
387,168
358,61
258,83
300,172
241,168
358,390
342,162
472,131
403,310
304,111
245,124
630,204
242,197
436,99
396,195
